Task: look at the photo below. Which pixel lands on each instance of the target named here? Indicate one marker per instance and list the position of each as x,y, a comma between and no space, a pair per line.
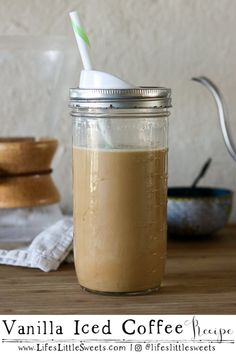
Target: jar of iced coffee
120,187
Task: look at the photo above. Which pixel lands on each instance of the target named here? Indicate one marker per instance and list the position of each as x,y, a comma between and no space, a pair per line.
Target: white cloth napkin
35,237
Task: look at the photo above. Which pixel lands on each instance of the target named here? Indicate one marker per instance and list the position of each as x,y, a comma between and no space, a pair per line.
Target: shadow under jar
120,188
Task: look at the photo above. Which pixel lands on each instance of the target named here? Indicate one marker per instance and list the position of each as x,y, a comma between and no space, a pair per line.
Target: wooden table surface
200,278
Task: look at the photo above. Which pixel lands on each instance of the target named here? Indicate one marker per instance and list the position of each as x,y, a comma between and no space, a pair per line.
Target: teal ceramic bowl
197,211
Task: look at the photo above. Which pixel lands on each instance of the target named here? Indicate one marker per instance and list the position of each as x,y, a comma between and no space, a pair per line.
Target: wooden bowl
27,191
26,155
25,172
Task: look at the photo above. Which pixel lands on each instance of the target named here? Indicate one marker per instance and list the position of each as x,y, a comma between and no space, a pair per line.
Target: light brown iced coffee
119,218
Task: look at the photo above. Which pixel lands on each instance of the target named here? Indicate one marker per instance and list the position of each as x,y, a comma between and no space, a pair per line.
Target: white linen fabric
39,237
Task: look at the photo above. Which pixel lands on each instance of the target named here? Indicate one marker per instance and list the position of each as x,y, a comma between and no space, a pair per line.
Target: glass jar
120,188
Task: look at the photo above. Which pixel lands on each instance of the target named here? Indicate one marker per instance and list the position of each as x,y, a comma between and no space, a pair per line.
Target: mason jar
120,187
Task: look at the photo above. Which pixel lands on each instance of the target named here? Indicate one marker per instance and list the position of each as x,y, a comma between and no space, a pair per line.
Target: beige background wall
149,42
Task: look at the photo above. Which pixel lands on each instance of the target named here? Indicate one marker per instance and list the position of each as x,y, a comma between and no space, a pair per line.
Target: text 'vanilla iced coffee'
120,187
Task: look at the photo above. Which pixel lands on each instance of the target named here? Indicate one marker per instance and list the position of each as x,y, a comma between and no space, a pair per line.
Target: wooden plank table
200,278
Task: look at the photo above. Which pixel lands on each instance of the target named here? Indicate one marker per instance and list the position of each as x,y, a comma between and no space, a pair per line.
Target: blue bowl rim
198,192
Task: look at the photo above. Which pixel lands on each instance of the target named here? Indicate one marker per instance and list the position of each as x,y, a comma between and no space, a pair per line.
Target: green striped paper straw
82,40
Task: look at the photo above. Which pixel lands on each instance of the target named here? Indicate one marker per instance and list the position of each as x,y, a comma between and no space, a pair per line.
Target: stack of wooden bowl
25,172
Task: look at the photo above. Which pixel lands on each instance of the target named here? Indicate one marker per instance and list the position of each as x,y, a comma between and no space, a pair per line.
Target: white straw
82,40
84,45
